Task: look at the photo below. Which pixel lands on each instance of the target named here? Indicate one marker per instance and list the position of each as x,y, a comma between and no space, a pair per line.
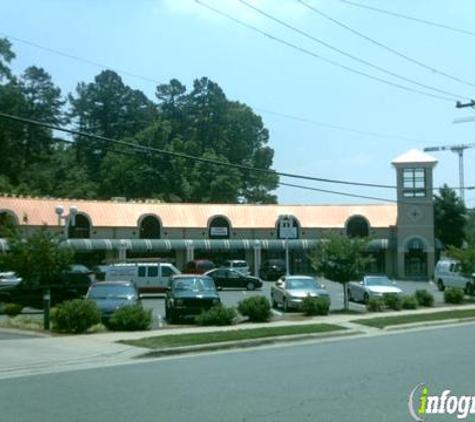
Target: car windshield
111,292
194,284
239,264
302,283
378,281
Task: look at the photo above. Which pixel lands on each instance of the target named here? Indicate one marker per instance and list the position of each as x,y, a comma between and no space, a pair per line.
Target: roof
40,211
415,156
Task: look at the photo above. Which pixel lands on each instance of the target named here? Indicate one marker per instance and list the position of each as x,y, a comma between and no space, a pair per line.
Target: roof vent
119,199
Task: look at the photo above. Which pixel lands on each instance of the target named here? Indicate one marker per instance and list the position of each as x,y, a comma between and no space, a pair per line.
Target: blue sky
164,39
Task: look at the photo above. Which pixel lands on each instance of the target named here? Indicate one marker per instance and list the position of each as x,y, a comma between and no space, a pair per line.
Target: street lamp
287,231
68,218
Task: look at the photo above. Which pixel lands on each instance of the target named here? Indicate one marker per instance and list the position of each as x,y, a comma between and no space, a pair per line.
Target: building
402,233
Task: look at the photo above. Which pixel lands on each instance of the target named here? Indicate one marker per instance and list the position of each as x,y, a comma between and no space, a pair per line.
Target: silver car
289,291
372,286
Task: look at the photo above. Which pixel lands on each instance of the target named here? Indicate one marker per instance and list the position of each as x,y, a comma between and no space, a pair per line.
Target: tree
449,217
39,259
341,259
466,257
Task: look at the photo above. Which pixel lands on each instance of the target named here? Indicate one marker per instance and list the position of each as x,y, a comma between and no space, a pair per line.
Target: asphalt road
350,380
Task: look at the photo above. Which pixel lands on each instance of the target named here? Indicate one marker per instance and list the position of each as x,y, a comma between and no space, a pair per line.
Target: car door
235,279
219,277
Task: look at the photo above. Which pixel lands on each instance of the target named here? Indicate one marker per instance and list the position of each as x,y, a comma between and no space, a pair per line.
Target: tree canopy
201,122
449,217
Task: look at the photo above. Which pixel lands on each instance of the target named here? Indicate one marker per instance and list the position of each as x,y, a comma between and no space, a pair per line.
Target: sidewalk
22,357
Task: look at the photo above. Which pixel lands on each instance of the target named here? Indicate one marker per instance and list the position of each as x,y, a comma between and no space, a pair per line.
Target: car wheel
440,285
250,286
469,290
366,298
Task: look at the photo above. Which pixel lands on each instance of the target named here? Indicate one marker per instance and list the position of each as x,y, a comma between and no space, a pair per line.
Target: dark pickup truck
71,285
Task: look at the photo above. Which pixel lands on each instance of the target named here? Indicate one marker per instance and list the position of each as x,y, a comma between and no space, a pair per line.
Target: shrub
410,302
393,301
453,295
315,306
217,315
75,316
130,318
375,304
256,308
424,298
12,309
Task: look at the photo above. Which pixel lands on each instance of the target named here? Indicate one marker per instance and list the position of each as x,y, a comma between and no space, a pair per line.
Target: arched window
288,227
8,222
219,228
149,228
357,227
80,228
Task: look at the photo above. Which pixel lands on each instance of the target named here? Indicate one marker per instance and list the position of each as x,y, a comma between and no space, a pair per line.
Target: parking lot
232,297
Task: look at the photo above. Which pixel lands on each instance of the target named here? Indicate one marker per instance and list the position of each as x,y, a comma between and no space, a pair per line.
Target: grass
176,340
23,322
382,322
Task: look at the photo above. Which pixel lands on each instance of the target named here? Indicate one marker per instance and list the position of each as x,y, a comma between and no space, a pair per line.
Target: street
363,379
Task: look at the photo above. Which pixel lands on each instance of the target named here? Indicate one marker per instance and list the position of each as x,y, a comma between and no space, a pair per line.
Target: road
350,380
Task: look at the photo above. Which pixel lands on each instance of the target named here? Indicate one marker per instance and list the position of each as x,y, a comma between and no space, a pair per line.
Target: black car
226,278
189,295
72,284
272,269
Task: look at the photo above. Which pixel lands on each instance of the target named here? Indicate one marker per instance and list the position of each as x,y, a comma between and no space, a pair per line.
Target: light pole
287,230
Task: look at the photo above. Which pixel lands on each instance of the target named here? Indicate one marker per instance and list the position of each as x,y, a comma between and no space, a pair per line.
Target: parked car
447,274
272,269
228,278
289,291
99,272
238,265
69,285
149,277
372,286
198,266
188,295
112,295
8,279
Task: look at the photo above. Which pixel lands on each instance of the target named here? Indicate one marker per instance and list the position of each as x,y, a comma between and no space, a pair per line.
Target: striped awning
152,245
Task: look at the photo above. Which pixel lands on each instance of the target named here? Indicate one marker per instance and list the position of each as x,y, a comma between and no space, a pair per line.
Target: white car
372,286
238,265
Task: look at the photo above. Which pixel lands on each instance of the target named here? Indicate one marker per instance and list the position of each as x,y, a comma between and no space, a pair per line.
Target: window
219,228
142,271
357,227
167,272
149,228
80,229
152,271
414,183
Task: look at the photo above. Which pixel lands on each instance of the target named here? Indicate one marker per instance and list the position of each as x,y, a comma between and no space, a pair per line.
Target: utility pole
459,149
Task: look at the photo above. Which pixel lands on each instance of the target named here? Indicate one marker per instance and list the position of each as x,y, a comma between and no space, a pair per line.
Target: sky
342,87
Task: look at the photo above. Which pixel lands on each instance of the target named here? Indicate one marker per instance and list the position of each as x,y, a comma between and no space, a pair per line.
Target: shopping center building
402,232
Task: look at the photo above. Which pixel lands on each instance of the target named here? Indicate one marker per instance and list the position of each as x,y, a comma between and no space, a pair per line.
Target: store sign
219,231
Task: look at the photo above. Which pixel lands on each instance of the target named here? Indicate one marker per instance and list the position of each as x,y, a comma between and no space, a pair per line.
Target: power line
385,47
411,18
144,149
144,78
344,53
314,55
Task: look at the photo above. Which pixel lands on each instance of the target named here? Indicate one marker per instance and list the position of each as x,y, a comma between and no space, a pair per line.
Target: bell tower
415,215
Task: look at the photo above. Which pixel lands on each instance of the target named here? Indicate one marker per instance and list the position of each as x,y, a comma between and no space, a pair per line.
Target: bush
12,309
424,298
393,301
75,316
256,308
130,318
375,304
217,315
453,295
315,306
410,302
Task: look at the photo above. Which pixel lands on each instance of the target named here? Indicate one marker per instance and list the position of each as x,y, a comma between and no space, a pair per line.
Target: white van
447,274
149,277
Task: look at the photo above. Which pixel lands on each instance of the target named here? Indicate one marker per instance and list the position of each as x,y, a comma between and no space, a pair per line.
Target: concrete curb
441,322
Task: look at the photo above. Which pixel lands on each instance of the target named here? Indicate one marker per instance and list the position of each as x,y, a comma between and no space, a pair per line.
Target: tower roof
414,156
